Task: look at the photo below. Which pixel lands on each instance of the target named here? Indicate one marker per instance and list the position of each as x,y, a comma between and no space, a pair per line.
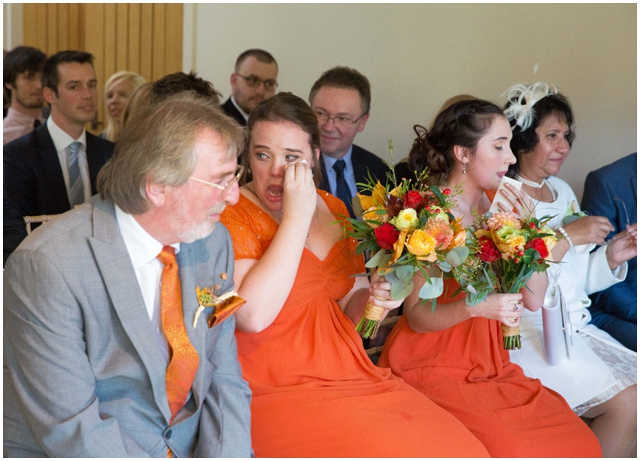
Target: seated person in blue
611,191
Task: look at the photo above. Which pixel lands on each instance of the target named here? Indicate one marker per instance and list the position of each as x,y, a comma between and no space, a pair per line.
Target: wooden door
145,38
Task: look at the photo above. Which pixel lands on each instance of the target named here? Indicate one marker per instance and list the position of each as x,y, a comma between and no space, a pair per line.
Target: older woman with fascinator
597,376
315,391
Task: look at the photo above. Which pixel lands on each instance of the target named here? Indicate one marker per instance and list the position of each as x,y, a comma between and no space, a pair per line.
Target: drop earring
464,168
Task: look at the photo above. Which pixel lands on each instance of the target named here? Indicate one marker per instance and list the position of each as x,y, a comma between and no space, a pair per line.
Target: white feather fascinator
521,99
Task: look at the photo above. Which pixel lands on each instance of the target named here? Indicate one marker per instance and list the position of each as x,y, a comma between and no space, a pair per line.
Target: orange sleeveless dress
315,391
465,370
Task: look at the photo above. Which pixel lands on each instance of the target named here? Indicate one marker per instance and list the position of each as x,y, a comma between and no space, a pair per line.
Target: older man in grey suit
107,352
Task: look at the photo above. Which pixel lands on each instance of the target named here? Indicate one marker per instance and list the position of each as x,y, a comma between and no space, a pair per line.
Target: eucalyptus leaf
380,259
457,255
400,290
432,288
405,273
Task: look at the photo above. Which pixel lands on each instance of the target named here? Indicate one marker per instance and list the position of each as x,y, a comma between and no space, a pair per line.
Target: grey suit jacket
83,374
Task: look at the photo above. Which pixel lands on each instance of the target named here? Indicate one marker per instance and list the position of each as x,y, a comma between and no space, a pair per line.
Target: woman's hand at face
299,191
507,308
588,230
623,246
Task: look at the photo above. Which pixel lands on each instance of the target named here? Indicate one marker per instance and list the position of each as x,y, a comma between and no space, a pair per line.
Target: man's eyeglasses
224,188
255,82
339,120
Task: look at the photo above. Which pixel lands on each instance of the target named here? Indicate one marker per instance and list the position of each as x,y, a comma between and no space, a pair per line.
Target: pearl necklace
530,183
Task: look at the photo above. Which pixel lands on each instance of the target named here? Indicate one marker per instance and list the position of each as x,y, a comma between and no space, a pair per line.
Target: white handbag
556,324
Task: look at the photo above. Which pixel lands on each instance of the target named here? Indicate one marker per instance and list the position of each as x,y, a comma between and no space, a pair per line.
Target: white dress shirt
143,251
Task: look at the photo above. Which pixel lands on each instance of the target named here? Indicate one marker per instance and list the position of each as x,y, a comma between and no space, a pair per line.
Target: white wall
416,56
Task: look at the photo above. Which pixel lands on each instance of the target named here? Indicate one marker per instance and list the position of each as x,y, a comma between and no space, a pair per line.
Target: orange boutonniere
224,305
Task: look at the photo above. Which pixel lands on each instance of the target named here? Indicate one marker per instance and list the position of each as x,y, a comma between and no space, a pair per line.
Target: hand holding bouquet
505,252
406,228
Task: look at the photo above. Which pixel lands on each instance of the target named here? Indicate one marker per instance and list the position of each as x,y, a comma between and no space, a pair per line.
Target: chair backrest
28,220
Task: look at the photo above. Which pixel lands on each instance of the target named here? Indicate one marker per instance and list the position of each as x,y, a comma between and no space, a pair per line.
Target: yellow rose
422,245
407,219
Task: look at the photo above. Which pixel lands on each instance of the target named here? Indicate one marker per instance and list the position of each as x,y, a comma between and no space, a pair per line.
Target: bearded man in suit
107,352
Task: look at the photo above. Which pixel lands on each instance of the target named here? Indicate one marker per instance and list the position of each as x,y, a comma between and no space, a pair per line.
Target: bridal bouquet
504,252
406,228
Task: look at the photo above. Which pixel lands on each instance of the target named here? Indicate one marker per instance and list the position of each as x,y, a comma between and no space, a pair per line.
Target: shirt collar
21,117
330,161
243,113
61,140
141,246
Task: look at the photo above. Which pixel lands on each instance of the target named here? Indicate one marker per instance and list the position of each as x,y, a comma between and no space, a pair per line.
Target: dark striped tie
76,188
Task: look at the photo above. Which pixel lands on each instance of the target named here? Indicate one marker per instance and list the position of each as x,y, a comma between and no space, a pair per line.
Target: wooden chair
28,220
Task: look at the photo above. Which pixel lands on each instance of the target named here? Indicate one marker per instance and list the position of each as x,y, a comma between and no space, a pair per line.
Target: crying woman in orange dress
315,391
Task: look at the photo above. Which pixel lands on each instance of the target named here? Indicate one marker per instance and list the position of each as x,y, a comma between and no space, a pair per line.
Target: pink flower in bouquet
441,231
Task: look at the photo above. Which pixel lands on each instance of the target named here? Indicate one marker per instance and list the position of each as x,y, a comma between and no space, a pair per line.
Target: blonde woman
117,91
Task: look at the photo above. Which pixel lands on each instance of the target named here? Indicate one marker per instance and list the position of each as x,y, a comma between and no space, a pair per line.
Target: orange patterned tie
183,358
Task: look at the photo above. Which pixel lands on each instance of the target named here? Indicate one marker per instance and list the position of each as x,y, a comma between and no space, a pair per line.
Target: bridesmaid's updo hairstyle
461,124
285,107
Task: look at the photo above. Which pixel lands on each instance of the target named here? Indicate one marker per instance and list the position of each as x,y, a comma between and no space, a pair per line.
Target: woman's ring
515,305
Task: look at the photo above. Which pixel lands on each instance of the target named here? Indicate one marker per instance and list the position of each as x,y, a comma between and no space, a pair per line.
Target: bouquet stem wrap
511,337
370,321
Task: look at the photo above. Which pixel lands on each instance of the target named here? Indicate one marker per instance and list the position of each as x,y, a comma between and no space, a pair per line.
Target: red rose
386,236
538,245
413,199
487,250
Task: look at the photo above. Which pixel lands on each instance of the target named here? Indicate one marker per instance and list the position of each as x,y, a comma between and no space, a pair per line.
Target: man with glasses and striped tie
54,168
341,99
255,79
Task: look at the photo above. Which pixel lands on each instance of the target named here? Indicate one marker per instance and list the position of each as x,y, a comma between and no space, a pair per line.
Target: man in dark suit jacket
101,305
36,165
254,80
341,99
612,192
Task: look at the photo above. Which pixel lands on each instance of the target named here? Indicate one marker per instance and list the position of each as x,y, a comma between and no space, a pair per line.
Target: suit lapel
120,280
359,167
324,183
51,168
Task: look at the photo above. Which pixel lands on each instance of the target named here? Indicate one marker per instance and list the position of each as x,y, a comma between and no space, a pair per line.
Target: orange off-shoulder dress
315,391
466,370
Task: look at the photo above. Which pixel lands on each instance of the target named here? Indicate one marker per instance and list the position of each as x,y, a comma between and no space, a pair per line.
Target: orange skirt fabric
466,371
315,391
